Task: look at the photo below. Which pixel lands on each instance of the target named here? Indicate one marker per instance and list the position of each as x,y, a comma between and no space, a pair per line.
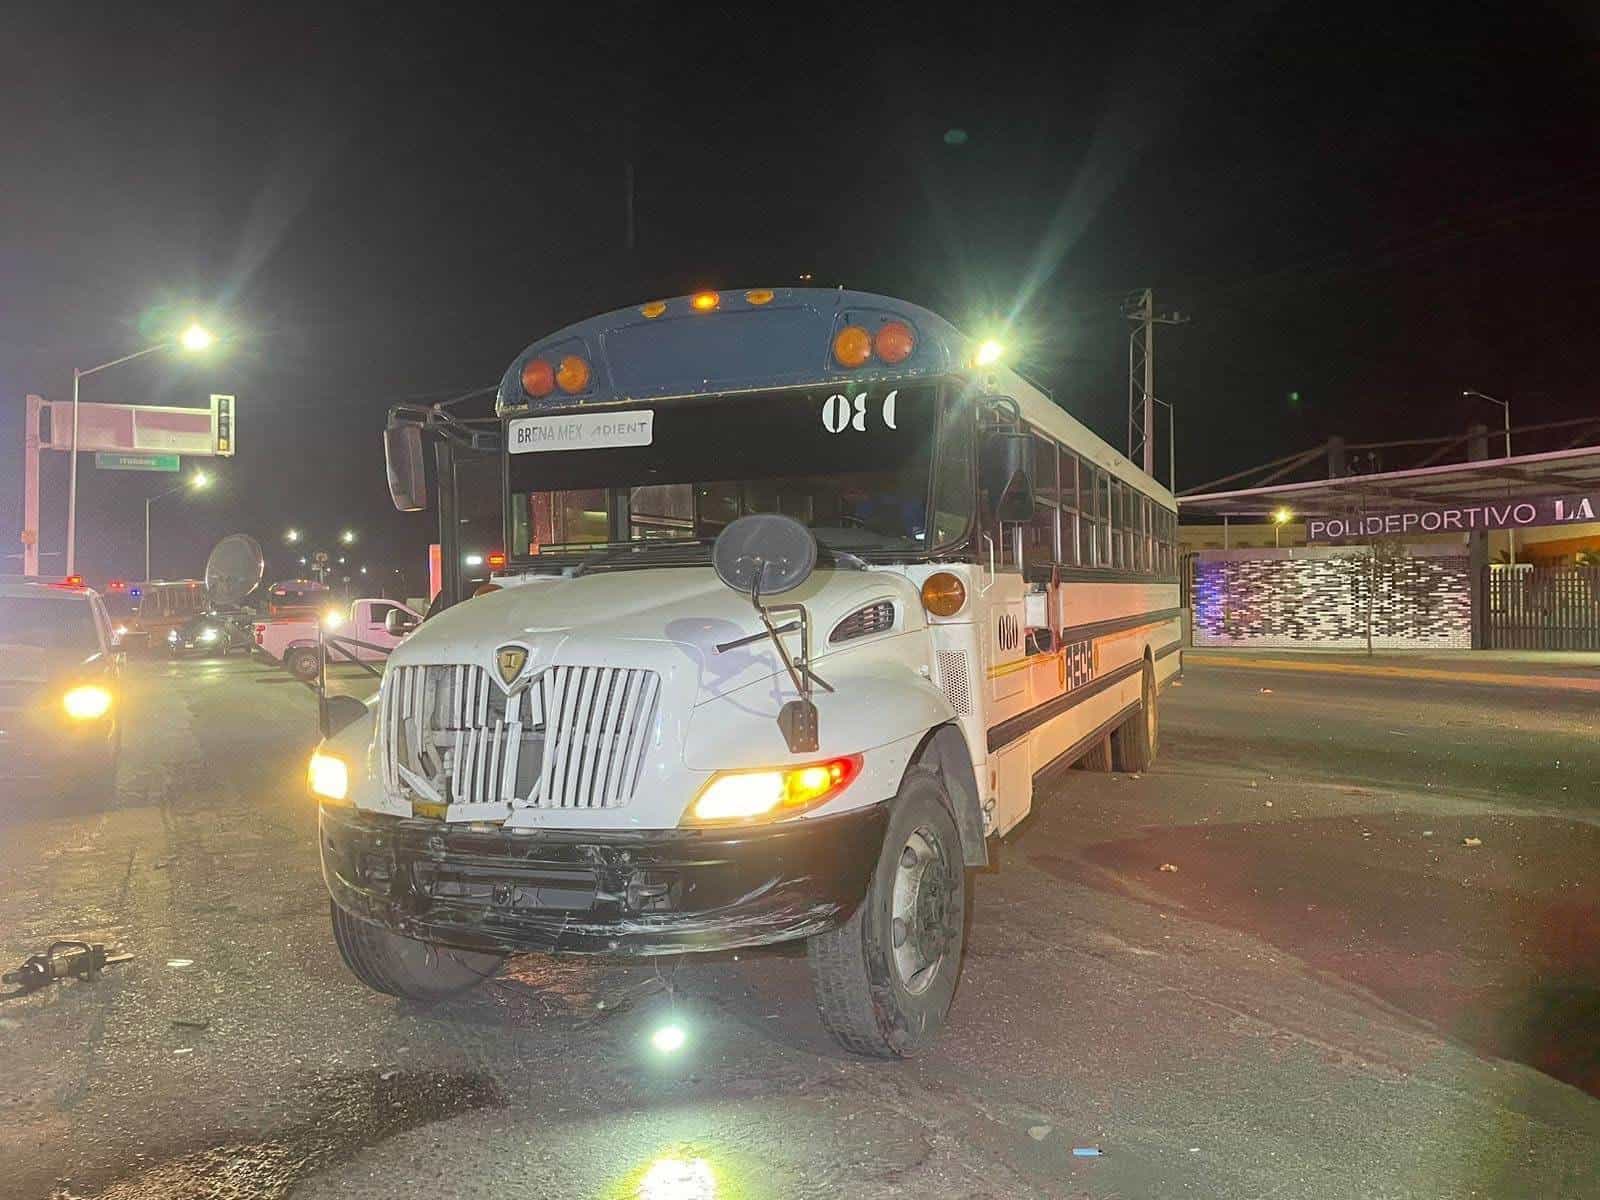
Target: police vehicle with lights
804,589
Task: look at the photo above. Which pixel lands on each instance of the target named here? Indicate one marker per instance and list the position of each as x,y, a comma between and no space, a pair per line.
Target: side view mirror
1005,474
768,553
338,712
402,455
398,623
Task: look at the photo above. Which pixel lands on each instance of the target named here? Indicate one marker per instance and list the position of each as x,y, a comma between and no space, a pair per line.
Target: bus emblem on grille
509,661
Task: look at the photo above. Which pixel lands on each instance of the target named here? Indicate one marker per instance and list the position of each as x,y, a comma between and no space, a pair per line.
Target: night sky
1365,209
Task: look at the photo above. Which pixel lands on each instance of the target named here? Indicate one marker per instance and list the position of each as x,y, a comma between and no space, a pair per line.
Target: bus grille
573,738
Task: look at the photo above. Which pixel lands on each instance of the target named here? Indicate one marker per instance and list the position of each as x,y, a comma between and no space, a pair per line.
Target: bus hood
673,616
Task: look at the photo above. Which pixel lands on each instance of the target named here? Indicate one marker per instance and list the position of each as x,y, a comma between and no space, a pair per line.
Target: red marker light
73,581
538,378
894,342
496,560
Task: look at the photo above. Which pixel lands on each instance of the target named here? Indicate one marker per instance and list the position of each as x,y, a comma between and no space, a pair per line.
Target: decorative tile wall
1420,598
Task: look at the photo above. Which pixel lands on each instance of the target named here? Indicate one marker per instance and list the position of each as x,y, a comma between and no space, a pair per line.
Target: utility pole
1140,308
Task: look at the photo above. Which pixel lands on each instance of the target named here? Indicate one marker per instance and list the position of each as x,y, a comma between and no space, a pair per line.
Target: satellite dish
234,568
764,553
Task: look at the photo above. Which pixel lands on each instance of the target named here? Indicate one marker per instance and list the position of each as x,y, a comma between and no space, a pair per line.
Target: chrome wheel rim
921,911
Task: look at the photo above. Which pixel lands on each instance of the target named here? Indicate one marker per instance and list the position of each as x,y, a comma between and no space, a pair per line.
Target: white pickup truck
363,634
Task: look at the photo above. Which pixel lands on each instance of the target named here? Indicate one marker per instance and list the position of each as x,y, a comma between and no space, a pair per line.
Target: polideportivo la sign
1458,518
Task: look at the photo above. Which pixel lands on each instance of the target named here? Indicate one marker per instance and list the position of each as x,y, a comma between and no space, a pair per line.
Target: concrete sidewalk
1565,671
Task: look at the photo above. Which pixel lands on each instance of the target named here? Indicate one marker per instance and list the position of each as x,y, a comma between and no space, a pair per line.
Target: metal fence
1543,608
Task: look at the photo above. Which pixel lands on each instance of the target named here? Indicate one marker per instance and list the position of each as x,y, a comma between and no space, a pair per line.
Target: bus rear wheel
885,978
1134,742
401,966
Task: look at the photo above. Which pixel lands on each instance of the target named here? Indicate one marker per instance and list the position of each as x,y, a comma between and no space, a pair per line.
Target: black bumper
593,892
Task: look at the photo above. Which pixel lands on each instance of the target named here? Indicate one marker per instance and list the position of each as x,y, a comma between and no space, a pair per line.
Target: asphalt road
1332,995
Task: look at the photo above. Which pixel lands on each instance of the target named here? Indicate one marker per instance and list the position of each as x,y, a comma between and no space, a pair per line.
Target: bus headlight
779,792
87,702
328,777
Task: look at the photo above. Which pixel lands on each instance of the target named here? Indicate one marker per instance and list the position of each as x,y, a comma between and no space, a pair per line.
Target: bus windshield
857,470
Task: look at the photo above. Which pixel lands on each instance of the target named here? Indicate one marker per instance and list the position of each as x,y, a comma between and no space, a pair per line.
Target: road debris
180,963
1265,691
1472,841
1038,1132
62,960
1086,1152
1169,868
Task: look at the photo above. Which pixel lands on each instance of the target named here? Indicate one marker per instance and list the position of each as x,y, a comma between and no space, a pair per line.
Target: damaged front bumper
591,892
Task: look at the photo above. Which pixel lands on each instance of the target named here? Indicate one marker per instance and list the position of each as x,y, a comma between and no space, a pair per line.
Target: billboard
136,428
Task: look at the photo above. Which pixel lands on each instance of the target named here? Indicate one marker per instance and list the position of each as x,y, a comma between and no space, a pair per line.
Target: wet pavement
1332,994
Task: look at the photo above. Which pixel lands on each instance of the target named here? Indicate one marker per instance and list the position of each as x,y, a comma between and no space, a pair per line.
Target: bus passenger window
1069,508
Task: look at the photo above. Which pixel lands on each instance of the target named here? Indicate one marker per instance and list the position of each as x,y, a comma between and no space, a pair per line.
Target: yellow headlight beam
756,795
328,777
86,703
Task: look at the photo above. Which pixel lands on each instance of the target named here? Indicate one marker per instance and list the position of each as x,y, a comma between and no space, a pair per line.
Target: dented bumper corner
592,892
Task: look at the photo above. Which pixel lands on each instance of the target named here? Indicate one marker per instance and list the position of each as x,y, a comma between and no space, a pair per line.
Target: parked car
212,633
59,695
363,633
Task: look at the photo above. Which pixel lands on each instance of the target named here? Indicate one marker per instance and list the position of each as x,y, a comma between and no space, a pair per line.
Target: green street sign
108,461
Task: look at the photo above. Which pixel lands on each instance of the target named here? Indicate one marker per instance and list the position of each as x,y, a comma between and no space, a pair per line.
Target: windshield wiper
614,554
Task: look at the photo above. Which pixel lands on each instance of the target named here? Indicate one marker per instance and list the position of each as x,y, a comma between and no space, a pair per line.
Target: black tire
864,996
401,966
1134,742
1098,756
301,662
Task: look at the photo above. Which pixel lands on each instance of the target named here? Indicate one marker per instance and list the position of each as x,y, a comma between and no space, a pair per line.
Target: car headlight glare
87,702
207,635
769,794
328,777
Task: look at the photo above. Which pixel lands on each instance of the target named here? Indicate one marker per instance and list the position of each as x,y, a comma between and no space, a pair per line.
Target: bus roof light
538,378
573,375
758,296
852,346
894,342
705,301
652,310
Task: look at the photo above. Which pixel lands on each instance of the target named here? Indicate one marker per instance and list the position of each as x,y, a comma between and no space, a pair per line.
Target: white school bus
801,596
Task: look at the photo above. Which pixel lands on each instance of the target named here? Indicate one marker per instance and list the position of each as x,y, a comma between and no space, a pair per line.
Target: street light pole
1172,447
197,482
192,338
72,471
1505,407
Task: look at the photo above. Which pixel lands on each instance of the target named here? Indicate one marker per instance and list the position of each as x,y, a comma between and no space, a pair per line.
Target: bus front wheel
885,978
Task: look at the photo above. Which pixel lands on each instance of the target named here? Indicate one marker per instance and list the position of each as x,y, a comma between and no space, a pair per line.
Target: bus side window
1039,535
1069,508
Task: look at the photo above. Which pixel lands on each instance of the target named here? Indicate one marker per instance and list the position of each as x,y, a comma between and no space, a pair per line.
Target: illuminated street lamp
198,482
1279,519
348,537
193,339
291,536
